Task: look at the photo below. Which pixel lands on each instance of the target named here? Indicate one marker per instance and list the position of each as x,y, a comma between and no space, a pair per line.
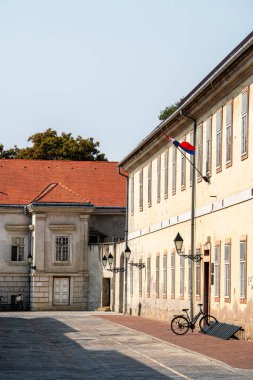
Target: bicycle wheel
179,325
206,321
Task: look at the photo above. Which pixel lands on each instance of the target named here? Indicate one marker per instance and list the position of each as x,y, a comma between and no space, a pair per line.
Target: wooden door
61,291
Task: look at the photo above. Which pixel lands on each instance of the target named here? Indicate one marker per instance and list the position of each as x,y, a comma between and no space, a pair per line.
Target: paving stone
79,345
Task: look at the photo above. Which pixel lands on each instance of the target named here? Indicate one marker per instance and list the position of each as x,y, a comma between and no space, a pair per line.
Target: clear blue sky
105,68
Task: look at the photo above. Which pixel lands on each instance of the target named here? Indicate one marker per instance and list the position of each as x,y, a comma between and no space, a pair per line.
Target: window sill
227,300
18,263
228,164
243,300
244,156
61,263
216,299
218,169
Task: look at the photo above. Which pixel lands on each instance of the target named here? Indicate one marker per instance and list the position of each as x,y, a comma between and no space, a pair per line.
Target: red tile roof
96,182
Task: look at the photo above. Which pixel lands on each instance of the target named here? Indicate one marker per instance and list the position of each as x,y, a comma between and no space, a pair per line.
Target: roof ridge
45,191
73,192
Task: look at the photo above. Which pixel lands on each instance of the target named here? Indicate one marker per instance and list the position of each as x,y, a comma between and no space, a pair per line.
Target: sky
106,68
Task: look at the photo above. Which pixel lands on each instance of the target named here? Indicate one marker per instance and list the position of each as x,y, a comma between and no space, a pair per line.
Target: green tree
169,110
49,146
9,153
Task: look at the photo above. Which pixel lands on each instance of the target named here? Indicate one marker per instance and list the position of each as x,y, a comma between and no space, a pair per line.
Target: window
17,248
131,281
198,276
150,184
183,170
191,158
62,248
158,177
148,276
208,146
218,140
227,287
244,132
174,169
172,275
243,273
199,150
141,189
217,272
164,275
166,172
157,275
140,279
229,134
189,275
182,259
132,195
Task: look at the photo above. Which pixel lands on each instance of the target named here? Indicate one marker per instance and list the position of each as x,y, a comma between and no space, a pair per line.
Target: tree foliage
164,114
49,146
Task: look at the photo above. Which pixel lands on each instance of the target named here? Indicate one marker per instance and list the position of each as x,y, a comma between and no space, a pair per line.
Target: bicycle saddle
200,304
185,309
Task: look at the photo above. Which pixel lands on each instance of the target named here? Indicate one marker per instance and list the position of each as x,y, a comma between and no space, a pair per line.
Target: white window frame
229,133
182,263
172,275
132,195
199,151
141,189
166,173
219,119
20,244
209,147
227,271
165,275
62,236
243,270
148,276
174,169
244,124
150,184
157,276
158,178
217,271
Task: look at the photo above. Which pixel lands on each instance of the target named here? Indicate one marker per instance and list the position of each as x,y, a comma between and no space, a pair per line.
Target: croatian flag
187,147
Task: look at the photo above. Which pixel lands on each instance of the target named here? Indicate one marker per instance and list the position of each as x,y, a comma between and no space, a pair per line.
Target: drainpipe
29,254
126,234
192,211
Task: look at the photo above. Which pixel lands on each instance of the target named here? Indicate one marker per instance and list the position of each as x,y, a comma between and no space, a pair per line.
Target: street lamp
178,243
109,260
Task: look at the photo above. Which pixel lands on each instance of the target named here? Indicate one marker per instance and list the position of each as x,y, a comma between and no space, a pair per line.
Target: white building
160,200
57,213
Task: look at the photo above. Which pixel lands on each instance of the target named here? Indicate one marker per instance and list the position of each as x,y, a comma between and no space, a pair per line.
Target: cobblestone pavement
236,353
80,345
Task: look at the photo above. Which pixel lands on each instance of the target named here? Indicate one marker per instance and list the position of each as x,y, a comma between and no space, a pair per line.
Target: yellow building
214,218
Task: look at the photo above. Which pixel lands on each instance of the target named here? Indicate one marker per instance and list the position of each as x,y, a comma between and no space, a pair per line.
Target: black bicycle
180,324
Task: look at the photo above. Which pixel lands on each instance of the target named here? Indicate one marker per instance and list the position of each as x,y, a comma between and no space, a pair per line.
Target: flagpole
193,195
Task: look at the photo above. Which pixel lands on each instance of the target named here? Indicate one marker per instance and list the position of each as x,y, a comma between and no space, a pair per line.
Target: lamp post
109,260
30,259
194,258
127,256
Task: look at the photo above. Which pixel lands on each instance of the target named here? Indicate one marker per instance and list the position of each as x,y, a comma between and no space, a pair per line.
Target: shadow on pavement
39,348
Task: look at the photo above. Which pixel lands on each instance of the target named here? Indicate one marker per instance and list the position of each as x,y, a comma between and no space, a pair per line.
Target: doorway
61,291
106,299
206,287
